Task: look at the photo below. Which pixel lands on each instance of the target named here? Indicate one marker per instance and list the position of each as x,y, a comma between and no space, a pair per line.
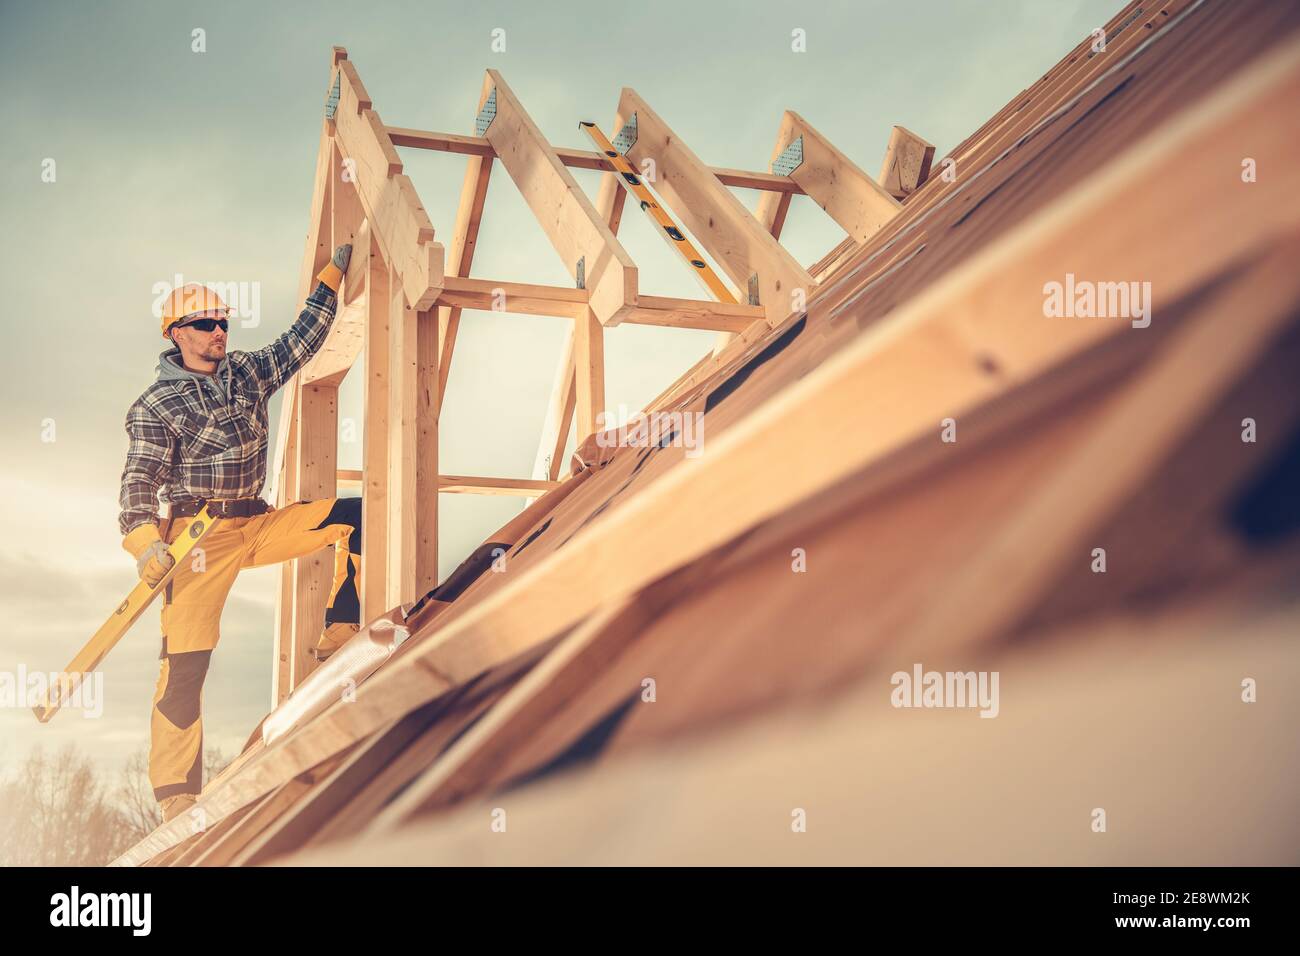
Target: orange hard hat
188,300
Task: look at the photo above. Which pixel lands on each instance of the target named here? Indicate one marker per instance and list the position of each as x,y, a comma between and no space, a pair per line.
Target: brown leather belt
219,508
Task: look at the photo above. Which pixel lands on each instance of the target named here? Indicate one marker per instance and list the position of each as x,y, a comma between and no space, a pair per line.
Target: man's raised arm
277,362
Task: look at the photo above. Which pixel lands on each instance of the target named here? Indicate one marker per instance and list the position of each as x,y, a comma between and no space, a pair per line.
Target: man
199,434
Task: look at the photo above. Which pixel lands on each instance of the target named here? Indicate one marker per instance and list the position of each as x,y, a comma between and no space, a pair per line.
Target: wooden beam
586,246
284,468
413,452
375,507
853,199
549,460
508,487
469,485
317,461
589,370
694,314
907,163
347,332
390,778
425,503
559,416
721,224
464,240
575,158
293,827
1141,424
518,297
482,753
397,219
403,398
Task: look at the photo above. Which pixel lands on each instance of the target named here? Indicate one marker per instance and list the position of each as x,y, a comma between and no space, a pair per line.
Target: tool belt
219,508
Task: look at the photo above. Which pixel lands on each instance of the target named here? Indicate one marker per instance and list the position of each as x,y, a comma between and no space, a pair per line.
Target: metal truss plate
332,101
791,158
487,114
626,137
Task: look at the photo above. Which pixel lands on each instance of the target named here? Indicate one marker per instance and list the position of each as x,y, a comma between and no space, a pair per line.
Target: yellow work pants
191,615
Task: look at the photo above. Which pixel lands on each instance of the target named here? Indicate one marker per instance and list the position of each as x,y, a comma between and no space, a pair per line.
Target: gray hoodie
170,369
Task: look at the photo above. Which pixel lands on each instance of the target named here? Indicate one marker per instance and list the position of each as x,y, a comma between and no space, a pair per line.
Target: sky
136,150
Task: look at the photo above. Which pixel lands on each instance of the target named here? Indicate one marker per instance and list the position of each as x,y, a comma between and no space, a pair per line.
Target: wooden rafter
907,163
720,223
859,204
399,222
590,253
464,240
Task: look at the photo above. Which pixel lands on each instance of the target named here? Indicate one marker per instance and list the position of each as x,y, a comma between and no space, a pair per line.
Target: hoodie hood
170,369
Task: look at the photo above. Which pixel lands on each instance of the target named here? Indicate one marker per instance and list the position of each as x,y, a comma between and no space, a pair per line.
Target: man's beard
214,353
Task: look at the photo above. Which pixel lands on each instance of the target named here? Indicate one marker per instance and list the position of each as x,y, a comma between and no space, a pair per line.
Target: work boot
173,807
332,638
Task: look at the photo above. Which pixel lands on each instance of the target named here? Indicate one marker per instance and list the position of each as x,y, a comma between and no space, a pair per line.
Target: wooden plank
195,849
517,297
1140,426
306,580
295,826
574,158
458,713
229,848
425,503
397,219
403,397
281,669
464,240
510,487
375,505
694,314
549,459
470,484
663,807
853,199
559,416
317,462
524,299
720,223
479,756
413,453
283,471
907,163
347,333
565,213
589,371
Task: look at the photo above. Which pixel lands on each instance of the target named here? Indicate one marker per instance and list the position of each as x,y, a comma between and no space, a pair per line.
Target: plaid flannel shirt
187,445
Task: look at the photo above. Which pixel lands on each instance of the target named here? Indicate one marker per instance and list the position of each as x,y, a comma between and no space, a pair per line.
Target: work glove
332,274
342,256
152,561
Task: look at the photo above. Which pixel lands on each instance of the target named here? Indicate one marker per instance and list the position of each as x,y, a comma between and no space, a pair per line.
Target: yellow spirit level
120,621
633,184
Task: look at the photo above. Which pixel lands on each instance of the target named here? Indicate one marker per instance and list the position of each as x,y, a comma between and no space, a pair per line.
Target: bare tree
57,813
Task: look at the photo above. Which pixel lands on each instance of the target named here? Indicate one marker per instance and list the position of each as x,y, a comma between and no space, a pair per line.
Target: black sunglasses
207,325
